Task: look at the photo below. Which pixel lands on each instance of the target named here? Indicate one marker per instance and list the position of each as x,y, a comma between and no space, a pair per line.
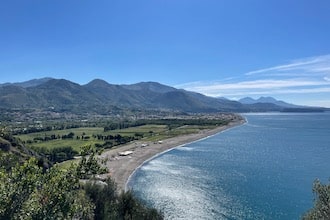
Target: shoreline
121,168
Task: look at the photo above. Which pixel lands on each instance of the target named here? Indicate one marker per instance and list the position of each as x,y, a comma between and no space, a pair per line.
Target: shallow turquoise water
261,170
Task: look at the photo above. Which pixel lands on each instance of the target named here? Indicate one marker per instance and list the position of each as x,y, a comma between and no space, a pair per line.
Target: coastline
121,168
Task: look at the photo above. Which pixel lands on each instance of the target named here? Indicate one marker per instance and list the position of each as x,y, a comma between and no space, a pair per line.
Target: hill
270,100
12,151
271,104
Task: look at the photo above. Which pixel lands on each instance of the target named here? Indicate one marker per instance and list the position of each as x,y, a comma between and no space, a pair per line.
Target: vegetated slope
13,151
63,94
100,96
117,95
14,97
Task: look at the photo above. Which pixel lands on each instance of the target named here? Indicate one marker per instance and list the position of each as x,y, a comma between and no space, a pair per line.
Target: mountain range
100,96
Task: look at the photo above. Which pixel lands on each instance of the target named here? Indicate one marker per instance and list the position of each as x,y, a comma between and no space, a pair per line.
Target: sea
263,169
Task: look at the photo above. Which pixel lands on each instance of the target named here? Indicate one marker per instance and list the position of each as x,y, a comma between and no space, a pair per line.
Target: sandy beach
121,167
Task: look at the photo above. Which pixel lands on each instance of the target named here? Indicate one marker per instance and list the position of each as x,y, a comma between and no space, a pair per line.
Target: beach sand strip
136,153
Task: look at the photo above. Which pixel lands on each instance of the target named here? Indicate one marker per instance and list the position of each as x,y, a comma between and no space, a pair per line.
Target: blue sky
229,48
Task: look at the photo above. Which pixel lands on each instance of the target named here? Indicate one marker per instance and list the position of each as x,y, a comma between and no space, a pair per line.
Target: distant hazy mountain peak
268,99
265,100
247,100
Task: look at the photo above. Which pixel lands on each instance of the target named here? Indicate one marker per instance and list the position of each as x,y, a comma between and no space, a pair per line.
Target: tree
27,192
321,209
89,165
16,187
104,198
110,205
130,208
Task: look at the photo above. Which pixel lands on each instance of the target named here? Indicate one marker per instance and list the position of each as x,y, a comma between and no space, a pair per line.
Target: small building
125,153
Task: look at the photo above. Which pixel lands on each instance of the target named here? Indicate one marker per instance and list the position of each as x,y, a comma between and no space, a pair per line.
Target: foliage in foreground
321,209
29,192
109,205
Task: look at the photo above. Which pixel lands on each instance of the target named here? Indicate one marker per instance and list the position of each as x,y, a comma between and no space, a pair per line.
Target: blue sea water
263,169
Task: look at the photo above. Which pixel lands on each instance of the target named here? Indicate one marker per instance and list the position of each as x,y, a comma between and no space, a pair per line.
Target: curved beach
135,154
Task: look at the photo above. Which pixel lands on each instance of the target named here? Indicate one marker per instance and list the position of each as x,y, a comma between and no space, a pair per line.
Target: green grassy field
75,143
76,131
149,133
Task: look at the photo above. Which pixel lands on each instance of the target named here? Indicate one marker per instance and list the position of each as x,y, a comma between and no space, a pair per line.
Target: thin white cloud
326,78
261,84
243,93
281,67
305,76
310,76
256,87
303,91
319,64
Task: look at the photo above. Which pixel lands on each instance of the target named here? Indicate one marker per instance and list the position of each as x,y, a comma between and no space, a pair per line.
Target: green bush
110,205
321,209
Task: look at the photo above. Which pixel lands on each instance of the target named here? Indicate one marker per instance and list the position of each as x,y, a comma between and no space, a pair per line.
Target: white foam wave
185,148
